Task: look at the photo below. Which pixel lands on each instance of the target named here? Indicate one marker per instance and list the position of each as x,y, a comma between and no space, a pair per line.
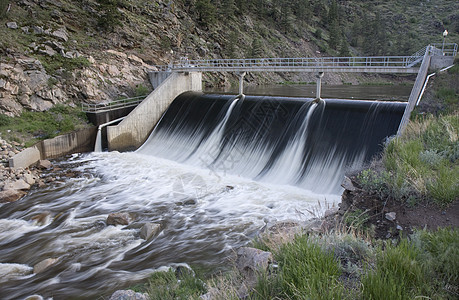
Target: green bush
52,64
141,90
441,257
4,120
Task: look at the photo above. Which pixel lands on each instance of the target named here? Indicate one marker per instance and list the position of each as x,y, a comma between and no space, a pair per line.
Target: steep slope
62,51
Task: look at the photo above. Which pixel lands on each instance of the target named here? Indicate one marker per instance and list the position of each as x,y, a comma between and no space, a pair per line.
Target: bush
4,120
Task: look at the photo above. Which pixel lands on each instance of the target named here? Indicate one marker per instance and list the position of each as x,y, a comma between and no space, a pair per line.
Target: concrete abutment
133,131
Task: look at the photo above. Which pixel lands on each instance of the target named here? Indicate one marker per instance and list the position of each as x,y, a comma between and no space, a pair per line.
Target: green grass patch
170,286
56,62
398,274
31,127
421,164
305,272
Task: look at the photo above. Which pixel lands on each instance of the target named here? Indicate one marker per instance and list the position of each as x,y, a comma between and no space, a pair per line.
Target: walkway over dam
171,80
365,64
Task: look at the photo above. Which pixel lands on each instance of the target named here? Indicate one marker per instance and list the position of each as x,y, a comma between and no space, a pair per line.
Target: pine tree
206,12
256,49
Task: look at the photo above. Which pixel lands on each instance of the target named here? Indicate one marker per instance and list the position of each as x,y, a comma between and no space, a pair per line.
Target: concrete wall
158,77
415,92
98,118
25,158
75,142
440,62
132,132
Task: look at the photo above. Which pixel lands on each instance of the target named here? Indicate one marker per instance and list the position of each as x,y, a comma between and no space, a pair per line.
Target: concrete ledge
133,131
25,158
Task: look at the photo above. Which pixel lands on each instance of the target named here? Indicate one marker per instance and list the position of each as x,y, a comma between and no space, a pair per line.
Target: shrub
4,120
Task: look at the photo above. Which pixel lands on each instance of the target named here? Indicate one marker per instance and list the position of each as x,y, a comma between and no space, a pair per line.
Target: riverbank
394,236
14,183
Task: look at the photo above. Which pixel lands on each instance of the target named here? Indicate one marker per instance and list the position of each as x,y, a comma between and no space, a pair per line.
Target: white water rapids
204,216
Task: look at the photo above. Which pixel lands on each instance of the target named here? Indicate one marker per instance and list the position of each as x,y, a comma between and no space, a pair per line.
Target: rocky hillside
62,51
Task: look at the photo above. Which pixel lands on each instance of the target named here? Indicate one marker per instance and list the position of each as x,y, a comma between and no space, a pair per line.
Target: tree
344,48
334,35
3,7
333,14
256,49
228,8
206,12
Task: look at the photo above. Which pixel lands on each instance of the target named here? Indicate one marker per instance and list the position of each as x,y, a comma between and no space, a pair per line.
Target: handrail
395,62
117,104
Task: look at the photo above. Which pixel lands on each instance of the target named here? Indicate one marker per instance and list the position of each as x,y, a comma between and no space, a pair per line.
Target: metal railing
447,49
388,63
117,104
251,64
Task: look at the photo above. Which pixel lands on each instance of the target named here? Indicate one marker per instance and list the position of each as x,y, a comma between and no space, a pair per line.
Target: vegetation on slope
30,127
423,164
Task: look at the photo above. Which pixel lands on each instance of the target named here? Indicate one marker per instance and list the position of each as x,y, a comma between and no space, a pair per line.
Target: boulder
390,216
41,219
44,164
61,33
29,179
47,50
44,264
128,295
12,25
119,219
348,184
251,260
16,185
10,195
149,230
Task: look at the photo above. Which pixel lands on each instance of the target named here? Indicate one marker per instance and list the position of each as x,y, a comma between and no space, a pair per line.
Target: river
204,215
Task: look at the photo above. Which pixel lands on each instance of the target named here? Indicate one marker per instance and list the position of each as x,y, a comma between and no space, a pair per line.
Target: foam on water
204,215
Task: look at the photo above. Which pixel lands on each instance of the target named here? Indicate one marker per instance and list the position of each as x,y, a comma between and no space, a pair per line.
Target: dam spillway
194,177
278,140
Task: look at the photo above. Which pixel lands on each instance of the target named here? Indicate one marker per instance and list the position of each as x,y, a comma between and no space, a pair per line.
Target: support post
241,82
319,85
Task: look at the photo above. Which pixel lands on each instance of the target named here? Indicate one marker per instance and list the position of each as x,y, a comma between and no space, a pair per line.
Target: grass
31,127
170,286
398,274
337,265
52,64
422,164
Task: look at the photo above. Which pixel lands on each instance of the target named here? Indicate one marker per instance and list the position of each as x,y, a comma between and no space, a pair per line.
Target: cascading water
273,139
192,176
